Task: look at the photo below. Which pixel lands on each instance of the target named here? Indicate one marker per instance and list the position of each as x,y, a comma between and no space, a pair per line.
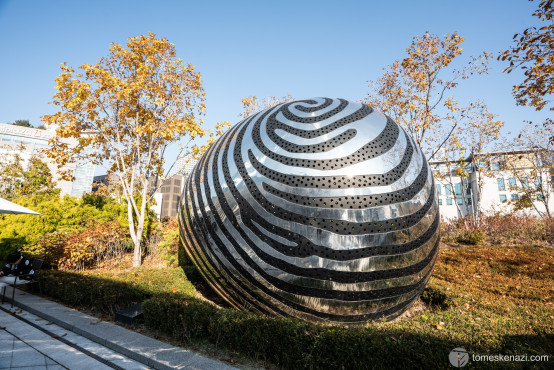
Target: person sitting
17,265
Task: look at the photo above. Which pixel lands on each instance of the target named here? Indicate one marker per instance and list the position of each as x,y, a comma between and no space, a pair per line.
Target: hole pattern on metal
321,209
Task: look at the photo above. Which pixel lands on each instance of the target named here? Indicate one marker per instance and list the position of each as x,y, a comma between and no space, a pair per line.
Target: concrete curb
138,347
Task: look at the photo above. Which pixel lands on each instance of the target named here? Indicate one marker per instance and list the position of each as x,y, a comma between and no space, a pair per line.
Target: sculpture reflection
321,209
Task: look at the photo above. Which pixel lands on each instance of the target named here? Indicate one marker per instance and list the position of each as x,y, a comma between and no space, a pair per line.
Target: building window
524,183
440,202
514,197
459,201
503,198
468,201
438,186
468,189
458,188
448,189
512,182
496,166
501,186
449,202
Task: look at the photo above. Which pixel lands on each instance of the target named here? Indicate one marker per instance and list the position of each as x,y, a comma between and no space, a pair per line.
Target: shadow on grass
541,344
200,284
286,342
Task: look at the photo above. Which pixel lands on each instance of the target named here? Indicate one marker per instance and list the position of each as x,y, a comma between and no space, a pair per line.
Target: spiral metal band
320,209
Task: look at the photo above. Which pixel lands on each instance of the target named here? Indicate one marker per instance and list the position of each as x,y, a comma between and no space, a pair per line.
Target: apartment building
168,196
29,141
184,165
505,178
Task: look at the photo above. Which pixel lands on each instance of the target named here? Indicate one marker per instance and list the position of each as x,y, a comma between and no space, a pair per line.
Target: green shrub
66,214
9,245
471,236
280,341
80,249
50,248
171,307
290,343
107,292
93,292
475,289
168,246
435,297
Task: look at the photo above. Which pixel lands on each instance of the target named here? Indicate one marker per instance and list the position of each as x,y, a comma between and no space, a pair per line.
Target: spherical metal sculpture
321,209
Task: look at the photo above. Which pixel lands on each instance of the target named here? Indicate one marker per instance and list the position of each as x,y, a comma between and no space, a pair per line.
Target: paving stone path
40,334
30,342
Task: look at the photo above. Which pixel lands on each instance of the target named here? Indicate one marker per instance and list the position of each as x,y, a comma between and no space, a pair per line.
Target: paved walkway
41,334
30,342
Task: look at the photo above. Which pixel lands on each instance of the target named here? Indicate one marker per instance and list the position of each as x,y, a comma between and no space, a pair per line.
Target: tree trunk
476,201
460,214
136,241
137,255
546,206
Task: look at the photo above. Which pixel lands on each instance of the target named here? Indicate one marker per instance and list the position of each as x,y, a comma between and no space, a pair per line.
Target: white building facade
185,165
457,195
29,141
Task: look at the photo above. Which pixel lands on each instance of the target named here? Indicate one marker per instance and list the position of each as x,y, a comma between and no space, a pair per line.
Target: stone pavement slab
138,347
29,347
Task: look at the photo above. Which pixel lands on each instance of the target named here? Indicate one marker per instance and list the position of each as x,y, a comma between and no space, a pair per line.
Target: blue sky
242,48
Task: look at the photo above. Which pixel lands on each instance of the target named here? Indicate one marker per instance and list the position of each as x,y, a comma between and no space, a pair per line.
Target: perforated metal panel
321,209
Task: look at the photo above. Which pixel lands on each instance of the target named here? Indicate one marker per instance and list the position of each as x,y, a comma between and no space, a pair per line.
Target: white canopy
8,207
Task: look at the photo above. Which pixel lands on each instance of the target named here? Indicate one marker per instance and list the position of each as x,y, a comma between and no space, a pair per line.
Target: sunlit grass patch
486,299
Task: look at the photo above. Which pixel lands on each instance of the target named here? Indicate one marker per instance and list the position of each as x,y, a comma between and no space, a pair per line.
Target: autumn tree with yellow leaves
467,152
125,111
531,166
252,104
415,92
533,52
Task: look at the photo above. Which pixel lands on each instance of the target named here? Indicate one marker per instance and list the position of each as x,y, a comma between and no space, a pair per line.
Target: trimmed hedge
170,306
109,292
291,343
486,314
247,333
102,295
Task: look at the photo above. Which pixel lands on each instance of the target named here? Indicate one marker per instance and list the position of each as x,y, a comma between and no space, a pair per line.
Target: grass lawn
486,299
489,299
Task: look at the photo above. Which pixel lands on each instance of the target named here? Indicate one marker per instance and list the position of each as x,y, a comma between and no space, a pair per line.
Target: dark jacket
22,268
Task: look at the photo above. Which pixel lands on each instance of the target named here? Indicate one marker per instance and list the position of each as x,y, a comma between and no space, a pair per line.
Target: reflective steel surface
321,209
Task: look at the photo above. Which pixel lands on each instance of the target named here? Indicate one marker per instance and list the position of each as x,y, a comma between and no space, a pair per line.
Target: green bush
109,292
64,214
280,341
50,248
287,342
97,293
476,313
168,246
471,236
435,297
171,307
